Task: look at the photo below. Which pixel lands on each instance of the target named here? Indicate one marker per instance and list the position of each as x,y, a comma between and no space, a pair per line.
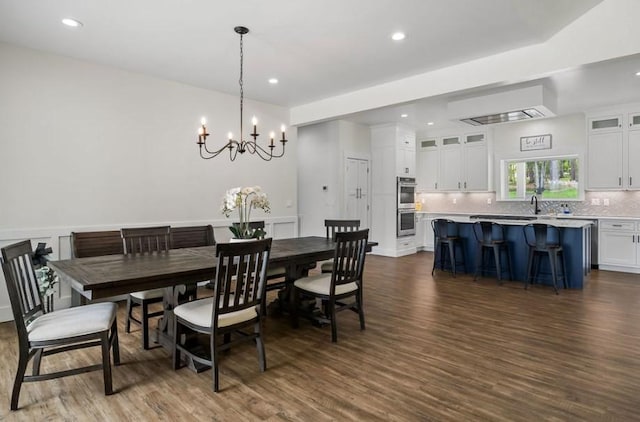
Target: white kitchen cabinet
607,123
614,151
428,234
464,163
476,163
634,121
619,245
406,154
632,159
428,165
450,163
392,149
605,160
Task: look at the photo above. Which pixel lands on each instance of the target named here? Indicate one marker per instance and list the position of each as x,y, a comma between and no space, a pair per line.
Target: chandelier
240,145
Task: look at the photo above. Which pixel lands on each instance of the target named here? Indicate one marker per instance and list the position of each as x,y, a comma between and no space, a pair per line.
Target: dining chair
43,333
332,227
273,273
344,281
140,241
234,307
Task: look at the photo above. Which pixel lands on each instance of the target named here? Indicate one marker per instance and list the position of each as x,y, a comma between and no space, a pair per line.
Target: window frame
502,193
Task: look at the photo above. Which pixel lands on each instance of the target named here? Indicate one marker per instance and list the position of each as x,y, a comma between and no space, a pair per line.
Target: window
549,178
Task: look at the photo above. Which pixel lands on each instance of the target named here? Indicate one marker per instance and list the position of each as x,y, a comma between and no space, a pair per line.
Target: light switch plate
595,201
605,202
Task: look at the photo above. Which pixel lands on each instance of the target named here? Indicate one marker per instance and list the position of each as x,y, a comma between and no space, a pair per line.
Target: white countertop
540,216
558,222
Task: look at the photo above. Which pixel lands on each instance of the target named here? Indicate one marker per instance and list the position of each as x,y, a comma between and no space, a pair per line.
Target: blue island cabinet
576,243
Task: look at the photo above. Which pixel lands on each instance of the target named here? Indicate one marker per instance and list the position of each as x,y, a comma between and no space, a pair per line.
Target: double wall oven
406,206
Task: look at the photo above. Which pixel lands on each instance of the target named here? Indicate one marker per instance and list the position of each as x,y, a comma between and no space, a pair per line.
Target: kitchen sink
503,217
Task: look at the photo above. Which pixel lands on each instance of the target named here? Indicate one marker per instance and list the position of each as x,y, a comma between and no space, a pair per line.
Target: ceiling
317,49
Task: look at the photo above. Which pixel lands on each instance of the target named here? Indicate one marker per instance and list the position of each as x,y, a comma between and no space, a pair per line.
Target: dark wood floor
441,348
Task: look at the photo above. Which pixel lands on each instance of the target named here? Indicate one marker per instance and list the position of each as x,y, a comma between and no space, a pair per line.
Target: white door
357,190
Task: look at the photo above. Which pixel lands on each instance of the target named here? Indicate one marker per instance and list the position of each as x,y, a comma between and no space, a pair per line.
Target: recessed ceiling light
398,36
404,115
273,81
637,73
429,123
72,22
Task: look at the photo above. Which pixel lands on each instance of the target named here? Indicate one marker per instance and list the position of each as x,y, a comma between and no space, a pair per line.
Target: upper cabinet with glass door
614,150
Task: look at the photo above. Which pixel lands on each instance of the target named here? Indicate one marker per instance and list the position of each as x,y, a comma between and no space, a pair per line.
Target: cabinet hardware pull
617,225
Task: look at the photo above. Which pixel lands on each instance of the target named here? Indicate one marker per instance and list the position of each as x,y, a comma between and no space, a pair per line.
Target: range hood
510,106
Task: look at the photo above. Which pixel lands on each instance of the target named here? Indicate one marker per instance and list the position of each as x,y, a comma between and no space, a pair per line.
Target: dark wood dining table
111,275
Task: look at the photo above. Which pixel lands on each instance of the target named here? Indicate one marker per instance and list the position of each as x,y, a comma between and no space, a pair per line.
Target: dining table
111,275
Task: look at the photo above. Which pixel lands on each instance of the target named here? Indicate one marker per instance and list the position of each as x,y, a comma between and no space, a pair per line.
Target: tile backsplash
621,204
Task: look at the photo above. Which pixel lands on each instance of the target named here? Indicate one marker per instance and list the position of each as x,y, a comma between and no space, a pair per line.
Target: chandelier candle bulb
272,135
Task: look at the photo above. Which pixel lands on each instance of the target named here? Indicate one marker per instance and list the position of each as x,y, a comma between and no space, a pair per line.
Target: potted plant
244,200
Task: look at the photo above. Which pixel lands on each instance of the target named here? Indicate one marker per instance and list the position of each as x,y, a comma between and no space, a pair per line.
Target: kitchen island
576,242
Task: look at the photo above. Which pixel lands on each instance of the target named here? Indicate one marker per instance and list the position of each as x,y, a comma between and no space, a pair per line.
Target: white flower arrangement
47,280
244,200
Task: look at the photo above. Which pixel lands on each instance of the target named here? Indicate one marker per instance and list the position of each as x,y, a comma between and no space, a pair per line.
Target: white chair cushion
71,322
199,312
148,294
321,284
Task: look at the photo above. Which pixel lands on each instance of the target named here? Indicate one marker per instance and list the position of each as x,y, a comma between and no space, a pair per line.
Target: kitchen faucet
536,209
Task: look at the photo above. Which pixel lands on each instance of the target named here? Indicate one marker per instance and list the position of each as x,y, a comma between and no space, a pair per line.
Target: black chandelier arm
255,148
231,145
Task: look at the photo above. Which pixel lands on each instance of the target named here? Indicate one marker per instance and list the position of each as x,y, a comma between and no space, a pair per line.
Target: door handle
619,181
630,180
465,185
458,185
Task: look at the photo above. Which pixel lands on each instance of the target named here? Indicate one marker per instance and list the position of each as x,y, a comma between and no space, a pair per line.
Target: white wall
88,146
321,152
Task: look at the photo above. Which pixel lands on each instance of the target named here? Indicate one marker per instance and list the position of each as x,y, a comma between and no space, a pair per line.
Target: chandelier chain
241,85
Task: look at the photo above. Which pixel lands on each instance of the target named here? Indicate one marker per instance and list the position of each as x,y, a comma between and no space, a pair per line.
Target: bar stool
490,237
545,240
446,237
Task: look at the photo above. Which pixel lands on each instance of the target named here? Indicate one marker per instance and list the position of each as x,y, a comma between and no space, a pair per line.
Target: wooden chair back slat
192,237
142,240
348,259
22,285
96,243
334,226
241,271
